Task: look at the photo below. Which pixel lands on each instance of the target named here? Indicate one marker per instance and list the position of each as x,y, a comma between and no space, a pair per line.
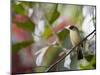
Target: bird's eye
71,27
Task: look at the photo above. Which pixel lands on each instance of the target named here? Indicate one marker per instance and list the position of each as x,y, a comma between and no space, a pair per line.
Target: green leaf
47,33
18,9
27,25
50,11
88,67
93,62
18,46
89,57
55,14
91,65
51,55
63,35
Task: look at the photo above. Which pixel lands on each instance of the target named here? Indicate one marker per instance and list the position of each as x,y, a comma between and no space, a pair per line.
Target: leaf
51,55
49,58
50,11
47,32
18,46
63,35
54,15
88,67
93,62
91,65
27,25
18,9
64,39
89,57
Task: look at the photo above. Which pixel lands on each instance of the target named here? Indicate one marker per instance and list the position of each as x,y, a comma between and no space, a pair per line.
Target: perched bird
75,40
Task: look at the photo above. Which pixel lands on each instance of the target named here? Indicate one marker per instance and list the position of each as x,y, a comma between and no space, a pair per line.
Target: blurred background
38,37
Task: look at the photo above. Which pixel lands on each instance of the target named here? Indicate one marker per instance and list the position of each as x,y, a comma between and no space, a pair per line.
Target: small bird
75,40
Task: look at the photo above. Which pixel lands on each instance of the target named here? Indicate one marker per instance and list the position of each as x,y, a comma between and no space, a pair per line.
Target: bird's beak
67,27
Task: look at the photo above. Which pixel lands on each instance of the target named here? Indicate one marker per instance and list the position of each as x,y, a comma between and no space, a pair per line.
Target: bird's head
71,27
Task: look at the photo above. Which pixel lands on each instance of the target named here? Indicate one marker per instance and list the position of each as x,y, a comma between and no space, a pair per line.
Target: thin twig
51,66
92,36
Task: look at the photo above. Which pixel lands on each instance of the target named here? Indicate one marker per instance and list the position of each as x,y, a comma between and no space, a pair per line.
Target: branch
92,36
51,66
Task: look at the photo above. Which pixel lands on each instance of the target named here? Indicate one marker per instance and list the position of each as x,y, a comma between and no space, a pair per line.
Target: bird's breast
75,37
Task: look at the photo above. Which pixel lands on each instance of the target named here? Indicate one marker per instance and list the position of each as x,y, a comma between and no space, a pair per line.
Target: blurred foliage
52,52
20,45
63,35
18,9
91,65
89,57
50,57
27,25
51,13
47,32
73,12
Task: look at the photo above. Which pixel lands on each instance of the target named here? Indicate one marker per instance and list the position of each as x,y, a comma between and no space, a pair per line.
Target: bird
75,39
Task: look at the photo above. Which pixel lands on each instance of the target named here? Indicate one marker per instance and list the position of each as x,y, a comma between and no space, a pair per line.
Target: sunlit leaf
47,32
91,65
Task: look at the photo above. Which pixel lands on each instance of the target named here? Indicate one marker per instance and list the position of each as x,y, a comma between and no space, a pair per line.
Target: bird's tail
79,54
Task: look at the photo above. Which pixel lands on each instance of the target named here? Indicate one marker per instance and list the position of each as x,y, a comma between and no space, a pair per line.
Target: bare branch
51,66
92,36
